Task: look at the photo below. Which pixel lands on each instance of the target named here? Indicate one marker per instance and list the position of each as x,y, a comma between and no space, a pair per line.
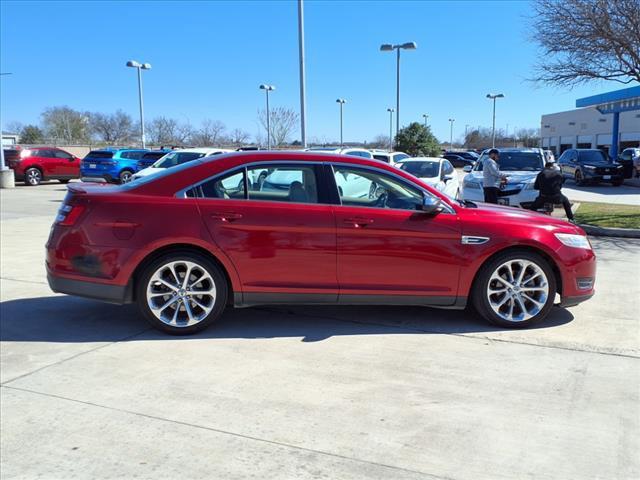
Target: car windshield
515,161
424,169
138,181
177,158
592,156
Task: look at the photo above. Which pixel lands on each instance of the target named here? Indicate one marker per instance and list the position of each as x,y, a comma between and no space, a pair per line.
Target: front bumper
573,301
520,199
597,177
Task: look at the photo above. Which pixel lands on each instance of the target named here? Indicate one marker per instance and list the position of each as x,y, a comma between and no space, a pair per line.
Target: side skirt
249,299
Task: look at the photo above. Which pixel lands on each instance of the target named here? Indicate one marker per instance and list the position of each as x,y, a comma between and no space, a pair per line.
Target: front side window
61,154
283,183
370,188
447,168
514,161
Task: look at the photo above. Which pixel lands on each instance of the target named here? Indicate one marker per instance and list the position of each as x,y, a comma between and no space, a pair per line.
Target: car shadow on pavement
70,320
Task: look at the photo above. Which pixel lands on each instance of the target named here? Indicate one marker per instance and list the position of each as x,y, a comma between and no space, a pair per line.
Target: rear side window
98,154
230,186
152,156
177,158
286,183
132,155
61,154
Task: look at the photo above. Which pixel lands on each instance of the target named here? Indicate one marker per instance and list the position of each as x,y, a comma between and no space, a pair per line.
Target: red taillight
68,214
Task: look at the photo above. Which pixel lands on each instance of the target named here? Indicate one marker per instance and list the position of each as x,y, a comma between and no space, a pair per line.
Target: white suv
521,167
178,157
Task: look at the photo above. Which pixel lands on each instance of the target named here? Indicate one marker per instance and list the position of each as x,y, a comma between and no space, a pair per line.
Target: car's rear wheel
515,289
125,176
181,293
617,183
64,181
579,178
32,177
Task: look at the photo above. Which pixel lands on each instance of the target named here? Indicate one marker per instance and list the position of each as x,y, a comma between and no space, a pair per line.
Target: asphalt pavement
89,391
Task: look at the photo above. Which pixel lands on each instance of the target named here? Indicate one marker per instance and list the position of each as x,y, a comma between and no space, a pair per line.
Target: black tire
64,181
579,178
125,176
617,183
32,177
217,304
480,297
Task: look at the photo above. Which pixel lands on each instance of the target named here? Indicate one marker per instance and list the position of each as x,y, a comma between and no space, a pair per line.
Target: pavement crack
234,434
61,361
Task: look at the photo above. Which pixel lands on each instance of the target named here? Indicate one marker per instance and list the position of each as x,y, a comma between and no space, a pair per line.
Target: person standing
491,177
549,184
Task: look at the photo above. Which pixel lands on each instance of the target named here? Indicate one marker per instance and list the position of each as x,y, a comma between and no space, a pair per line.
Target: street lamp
390,110
139,67
425,116
451,120
267,89
493,129
341,101
387,47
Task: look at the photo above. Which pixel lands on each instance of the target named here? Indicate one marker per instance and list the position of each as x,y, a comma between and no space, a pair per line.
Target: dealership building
609,121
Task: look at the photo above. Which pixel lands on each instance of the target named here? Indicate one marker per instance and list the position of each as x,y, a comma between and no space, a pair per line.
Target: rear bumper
573,301
118,294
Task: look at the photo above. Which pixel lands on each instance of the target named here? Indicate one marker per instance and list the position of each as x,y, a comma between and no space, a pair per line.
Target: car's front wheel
515,289
181,293
579,178
32,177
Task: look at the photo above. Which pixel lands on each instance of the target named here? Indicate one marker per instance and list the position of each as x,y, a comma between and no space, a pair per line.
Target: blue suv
115,165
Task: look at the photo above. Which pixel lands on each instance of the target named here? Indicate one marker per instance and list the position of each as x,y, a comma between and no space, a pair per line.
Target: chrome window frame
244,168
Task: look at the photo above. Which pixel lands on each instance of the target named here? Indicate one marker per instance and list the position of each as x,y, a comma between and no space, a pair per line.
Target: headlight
471,185
575,241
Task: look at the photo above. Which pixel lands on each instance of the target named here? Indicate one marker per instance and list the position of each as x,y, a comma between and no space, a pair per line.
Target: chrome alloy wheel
181,293
34,177
518,290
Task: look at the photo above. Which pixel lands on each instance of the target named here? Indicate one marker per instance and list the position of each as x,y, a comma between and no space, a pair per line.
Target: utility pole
303,100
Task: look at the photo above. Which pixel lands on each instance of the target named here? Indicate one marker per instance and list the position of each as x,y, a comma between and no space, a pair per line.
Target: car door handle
226,216
359,222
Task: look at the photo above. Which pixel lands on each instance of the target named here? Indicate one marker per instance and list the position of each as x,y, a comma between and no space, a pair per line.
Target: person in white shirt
491,176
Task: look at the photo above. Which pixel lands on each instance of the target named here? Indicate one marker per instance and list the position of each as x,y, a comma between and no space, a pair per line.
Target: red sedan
290,227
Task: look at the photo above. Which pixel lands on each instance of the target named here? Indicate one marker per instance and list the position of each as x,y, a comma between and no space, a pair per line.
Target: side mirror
446,178
431,205
467,168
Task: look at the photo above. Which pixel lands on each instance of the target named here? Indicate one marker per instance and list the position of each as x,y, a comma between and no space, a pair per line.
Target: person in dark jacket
549,184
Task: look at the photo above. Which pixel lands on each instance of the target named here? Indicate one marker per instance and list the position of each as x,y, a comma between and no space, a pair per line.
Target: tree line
64,125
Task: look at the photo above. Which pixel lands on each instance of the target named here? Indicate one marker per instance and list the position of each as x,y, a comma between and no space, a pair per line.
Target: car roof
203,150
422,159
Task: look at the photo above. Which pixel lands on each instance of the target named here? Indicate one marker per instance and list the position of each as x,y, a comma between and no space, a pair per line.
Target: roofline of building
602,98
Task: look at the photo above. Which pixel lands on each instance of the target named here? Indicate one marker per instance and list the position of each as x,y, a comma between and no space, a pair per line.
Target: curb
610,232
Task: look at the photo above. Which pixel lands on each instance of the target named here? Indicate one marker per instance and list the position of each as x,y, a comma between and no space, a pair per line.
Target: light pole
493,129
341,101
390,110
387,47
140,67
451,120
267,89
426,117
466,132
303,101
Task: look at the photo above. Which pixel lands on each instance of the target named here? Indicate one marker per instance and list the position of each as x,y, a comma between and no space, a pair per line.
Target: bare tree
283,122
380,141
13,127
66,125
584,40
210,133
238,137
115,129
168,131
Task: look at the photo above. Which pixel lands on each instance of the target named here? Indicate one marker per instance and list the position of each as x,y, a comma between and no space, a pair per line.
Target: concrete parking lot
89,391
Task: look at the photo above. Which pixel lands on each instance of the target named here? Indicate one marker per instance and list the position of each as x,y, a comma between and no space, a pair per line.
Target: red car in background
33,165
259,228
